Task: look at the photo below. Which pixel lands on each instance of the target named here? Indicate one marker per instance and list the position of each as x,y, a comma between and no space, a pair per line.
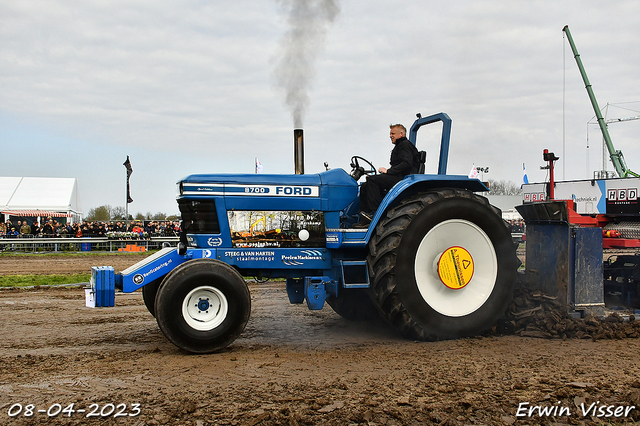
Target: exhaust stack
298,151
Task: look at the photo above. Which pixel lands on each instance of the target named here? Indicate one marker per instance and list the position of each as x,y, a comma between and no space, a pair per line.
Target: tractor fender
413,184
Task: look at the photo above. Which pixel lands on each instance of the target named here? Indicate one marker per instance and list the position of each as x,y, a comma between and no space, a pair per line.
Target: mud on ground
293,366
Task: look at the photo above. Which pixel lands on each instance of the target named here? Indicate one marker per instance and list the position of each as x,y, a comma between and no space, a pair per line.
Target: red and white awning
36,213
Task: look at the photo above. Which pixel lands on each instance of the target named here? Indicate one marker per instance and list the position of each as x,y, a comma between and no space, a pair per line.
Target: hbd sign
626,194
622,201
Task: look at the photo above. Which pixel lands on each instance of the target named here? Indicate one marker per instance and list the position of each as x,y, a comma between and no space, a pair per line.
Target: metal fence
86,244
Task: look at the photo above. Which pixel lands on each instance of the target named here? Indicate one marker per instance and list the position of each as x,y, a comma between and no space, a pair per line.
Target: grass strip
33,280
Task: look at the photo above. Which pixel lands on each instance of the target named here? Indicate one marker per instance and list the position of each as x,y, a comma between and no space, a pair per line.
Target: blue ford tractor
437,260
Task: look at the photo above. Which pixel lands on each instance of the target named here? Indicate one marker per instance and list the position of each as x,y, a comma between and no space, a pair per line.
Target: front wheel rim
205,308
475,293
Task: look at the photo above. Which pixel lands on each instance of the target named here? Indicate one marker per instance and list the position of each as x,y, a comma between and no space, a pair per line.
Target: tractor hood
327,191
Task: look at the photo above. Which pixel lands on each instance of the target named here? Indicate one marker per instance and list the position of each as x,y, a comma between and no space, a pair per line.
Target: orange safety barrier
133,248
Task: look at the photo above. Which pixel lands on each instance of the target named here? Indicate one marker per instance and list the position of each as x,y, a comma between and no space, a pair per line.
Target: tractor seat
421,167
423,162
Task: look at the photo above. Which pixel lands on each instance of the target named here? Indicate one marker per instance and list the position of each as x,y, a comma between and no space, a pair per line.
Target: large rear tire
203,305
443,265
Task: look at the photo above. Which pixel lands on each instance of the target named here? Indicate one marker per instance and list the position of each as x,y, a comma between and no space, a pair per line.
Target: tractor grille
199,217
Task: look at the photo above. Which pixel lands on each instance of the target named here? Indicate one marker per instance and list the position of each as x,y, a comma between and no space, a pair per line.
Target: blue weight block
103,285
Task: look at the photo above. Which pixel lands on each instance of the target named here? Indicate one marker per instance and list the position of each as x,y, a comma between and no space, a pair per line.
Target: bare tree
503,187
118,213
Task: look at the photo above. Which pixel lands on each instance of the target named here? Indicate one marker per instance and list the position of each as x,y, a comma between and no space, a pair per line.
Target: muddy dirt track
293,366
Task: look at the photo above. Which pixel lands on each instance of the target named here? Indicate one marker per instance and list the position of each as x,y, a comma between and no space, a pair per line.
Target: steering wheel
357,171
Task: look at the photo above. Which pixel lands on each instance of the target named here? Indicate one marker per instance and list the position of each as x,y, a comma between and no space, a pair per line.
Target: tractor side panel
278,258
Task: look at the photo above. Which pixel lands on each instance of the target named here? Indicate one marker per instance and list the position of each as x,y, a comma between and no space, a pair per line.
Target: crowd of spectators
50,228
517,226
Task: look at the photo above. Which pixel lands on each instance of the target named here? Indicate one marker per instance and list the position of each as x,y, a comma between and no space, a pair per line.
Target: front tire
203,305
149,292
444,265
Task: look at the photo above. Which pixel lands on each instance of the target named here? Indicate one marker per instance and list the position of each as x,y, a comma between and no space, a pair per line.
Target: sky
204,87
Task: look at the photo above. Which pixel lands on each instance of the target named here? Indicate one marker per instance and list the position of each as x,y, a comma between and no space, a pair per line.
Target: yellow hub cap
455,267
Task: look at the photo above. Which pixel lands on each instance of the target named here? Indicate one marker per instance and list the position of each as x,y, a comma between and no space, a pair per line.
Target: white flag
258,166
473,174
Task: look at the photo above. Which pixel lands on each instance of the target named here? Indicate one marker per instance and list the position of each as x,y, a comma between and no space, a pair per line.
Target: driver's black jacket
405,159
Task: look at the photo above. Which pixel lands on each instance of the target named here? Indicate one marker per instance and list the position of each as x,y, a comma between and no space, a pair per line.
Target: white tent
40,197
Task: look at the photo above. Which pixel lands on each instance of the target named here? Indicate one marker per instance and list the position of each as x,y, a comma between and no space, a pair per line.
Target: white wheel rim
205,308
443,236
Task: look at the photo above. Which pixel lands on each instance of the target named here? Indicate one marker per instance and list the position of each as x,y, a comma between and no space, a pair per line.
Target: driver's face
395,134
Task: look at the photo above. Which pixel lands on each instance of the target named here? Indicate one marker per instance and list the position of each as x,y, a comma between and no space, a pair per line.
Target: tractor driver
405,160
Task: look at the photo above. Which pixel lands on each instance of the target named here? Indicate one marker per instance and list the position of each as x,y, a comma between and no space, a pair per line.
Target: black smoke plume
308,22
